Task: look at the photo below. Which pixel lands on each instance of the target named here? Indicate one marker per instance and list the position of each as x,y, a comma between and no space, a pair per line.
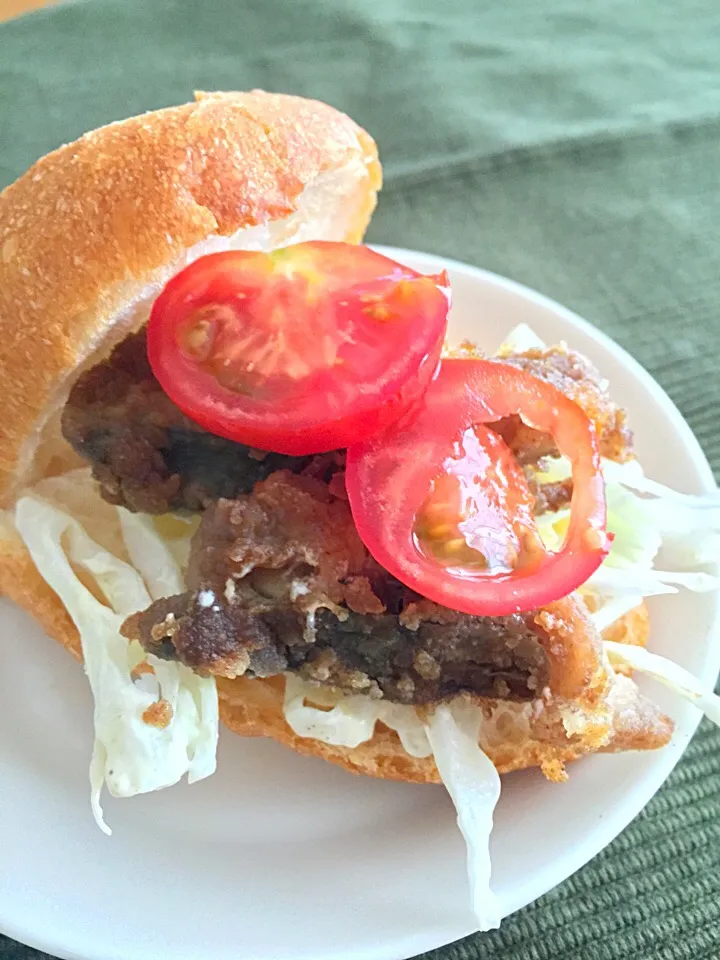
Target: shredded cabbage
612,608
408,726
668,673
520,339
150,555
157,562
474,786
130,756
451,735
688,524
348,721
685,527
176,532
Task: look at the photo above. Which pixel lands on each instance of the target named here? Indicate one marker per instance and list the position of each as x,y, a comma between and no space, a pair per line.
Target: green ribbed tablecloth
574,146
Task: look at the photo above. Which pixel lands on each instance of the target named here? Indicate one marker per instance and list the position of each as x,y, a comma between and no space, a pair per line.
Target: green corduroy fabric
573,145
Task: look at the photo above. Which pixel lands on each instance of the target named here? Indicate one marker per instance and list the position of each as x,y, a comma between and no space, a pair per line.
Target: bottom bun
21,583
514,736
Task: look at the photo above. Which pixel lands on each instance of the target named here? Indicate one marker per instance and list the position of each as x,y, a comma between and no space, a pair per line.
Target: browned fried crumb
158,714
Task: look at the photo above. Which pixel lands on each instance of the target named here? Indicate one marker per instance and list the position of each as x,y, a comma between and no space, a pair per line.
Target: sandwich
249,479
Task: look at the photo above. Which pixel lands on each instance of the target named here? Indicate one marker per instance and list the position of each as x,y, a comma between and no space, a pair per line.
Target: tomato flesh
478,515
300,351
441,502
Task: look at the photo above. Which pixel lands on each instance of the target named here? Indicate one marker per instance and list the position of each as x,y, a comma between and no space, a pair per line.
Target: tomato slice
299,351
441,502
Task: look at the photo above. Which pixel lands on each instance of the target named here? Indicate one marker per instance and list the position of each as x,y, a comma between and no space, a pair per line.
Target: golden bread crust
91,224
21,583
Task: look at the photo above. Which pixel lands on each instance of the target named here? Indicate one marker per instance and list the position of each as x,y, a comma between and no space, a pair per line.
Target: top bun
89,235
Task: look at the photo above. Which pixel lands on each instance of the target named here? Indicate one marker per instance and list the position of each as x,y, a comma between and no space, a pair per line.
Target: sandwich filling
146,454
214,559
279,580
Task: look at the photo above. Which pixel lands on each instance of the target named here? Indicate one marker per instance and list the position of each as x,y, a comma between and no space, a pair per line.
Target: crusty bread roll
89,235
93,230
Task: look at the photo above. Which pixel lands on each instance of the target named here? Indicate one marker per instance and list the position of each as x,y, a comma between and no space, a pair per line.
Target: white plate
279,857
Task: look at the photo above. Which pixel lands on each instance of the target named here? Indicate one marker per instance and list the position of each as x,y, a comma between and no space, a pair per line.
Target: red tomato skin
389,476
383,366
334,434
